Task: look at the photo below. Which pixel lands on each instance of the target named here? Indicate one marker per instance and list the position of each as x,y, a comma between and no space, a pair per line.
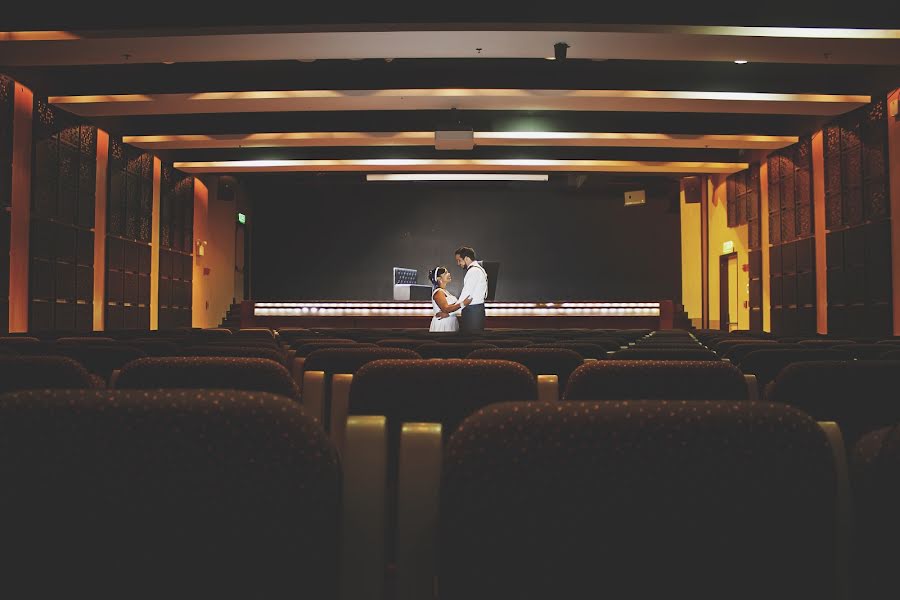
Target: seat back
767,363
39,372
189,372
636,499
99,359
657,380
450,350
875,475
540,361
597,349
664,354
236,351
436,391
860,396
212,493
351,359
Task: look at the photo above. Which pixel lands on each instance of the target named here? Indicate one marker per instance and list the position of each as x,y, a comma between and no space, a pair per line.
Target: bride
446,306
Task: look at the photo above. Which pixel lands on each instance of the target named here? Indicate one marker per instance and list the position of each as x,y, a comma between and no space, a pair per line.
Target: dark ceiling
531,74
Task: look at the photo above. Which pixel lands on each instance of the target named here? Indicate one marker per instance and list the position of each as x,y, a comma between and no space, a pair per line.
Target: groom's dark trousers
472,318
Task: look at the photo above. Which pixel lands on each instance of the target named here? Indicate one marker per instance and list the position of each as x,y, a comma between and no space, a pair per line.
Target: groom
475,286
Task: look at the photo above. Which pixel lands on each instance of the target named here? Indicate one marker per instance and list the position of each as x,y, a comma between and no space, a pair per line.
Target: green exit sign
242,218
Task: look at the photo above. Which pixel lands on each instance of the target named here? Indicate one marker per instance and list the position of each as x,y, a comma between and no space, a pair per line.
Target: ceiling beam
464,99
482,138
809,45
458,165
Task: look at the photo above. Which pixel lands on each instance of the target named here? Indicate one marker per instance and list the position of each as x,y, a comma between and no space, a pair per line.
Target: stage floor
499,315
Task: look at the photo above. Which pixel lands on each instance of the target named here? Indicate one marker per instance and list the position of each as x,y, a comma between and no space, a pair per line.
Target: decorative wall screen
129,212
63,191
792,256
857,207
176,237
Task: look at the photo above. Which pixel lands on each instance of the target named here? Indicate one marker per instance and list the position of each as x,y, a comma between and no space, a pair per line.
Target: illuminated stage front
499,315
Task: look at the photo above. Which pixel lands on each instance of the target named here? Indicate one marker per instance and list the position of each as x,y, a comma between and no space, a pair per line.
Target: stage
499,315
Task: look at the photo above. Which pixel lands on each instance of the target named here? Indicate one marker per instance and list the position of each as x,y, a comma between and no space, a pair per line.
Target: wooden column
704,249
20,216
818,174
100,202
894,184
764,244
200,282
154,245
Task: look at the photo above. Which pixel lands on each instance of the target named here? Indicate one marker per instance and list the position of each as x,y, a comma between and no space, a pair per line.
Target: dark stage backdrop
328,241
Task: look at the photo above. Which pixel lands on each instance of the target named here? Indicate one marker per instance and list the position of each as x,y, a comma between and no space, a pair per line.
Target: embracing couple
449,313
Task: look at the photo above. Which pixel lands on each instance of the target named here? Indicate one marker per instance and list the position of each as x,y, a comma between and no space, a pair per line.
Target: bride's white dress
450,323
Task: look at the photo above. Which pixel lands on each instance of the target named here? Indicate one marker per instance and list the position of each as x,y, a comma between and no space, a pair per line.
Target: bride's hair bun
434,273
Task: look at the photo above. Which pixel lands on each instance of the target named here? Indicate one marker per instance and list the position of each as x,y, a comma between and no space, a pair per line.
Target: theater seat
450,350
875,471
551,367
860,396
596,349
638,500
864,351
250,374
664,354
101,360
162,494
660,380
39,372
400,411
767,363
237,351
327,377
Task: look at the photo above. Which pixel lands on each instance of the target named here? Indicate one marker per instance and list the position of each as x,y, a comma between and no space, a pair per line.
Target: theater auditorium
367,304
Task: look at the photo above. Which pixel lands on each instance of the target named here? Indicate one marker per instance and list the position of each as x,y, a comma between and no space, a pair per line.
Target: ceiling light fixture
454,177
741,61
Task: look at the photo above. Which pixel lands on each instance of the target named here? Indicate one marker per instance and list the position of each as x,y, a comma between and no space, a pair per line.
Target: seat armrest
364,507
418,491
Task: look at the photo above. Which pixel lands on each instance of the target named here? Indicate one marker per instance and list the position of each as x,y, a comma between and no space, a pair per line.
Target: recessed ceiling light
454,177
741,61
168,62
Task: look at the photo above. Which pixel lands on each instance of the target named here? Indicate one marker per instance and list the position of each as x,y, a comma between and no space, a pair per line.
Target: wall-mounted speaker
691,187
226,189
635,198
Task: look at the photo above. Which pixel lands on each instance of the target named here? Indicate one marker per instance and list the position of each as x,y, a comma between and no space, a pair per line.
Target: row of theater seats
531,476
240,494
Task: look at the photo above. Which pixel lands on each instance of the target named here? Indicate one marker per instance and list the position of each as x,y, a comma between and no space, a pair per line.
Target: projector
454,140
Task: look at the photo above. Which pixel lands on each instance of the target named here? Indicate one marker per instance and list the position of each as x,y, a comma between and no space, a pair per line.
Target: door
728,292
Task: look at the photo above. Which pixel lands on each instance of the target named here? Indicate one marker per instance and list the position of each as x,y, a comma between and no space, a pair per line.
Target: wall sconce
201,248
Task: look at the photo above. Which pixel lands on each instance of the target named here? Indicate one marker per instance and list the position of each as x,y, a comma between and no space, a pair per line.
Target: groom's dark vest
486,280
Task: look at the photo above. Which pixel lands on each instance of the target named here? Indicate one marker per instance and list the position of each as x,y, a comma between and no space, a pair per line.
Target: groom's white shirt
475,284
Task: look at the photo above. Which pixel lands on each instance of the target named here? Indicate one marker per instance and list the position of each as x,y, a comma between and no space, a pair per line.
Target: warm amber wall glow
154,245
100,202
220,253
691,283
37,36
20,222
894,178
719,232
818,172
199,300
764,242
